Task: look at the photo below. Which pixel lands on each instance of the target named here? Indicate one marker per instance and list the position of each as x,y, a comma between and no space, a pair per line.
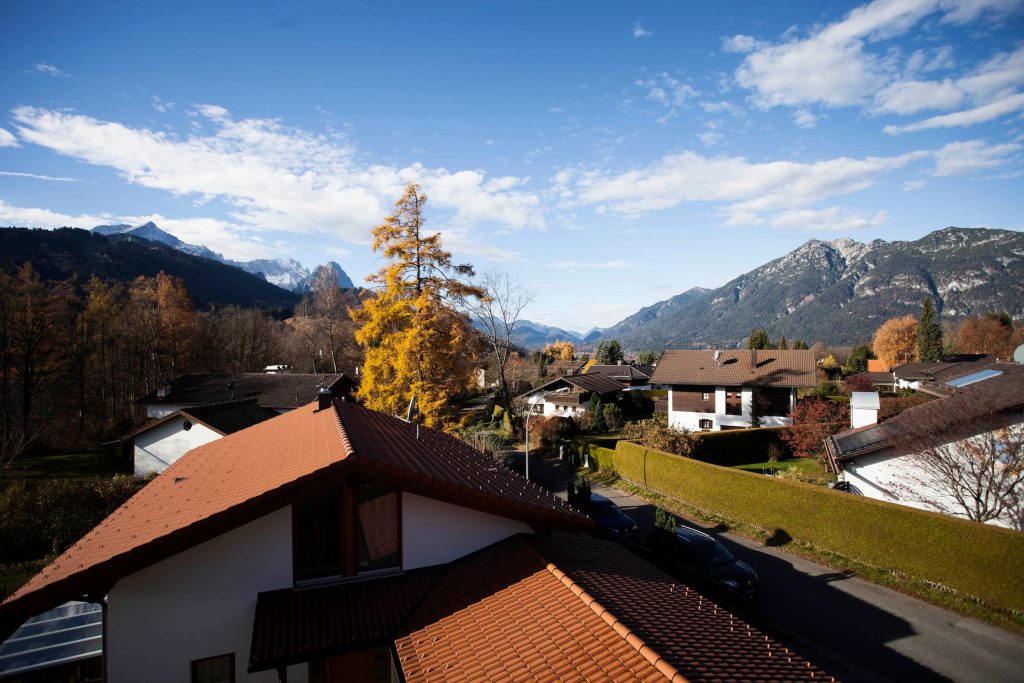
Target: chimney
753,361
163,389
864,407
718,358
323,398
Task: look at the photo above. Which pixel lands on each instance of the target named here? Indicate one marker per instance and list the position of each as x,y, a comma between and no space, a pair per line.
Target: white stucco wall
434,532
680,419
158,410
199,603
862,417
158,447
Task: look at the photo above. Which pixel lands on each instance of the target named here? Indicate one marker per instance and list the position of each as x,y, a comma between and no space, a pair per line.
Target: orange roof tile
240,477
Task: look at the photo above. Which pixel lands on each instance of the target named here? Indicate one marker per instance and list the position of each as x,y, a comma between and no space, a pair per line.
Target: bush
595,413
814,420
487,440
44,517
733,447
655,433
612,417
547,432
967,556
579,494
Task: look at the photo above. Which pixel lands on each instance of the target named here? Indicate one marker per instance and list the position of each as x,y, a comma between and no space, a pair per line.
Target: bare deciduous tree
497,314
965,463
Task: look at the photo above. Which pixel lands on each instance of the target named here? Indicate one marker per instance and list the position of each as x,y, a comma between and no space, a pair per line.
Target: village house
626,374
570,395
716,390
280,392
972,418
157,445
333,543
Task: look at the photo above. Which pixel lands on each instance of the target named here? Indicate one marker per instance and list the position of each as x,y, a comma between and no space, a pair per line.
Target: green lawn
86,462
810,465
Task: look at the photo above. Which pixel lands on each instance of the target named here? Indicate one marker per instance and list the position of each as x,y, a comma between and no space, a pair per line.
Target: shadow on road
806,609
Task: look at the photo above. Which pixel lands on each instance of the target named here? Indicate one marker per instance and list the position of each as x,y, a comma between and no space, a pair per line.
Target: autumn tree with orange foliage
417,343
895,342
560,350
992,333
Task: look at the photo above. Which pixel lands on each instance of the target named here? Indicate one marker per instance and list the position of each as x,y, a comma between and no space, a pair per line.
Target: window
344,530
706,424
706,396
377,514
219,669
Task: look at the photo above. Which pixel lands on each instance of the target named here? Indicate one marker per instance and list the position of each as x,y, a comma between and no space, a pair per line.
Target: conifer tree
929,335
417,344
783,345
800,345
759,339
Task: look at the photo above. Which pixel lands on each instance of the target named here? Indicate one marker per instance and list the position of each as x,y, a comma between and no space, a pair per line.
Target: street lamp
530,404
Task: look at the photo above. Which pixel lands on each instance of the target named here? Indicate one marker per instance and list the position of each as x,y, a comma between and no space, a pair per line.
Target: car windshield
604,511
715,554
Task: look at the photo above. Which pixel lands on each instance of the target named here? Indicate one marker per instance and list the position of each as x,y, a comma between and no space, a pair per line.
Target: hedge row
733,447
978,559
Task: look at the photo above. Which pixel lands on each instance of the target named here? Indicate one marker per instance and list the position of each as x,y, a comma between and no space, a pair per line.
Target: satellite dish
1018,354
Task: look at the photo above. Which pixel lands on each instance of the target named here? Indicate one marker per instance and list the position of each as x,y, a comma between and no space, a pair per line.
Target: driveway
857,630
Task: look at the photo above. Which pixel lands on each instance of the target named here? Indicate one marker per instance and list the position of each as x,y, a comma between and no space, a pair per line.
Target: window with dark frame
345,530
217,669
705,424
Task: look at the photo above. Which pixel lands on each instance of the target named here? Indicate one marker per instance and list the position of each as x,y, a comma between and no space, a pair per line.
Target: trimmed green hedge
978,559
733,447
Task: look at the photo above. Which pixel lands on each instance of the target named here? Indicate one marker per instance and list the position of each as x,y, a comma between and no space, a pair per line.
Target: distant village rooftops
601,384
737,367
624,373
279,391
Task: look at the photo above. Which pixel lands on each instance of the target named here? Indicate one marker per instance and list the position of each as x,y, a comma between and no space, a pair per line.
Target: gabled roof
236,479
950,368
223,418
557,607
764,368
972,408
283,391
603,385
565,367
621,373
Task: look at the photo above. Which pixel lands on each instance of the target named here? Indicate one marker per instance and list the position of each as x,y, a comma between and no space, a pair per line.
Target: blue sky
609,155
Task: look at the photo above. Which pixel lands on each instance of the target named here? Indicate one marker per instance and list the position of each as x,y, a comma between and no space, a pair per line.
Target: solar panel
979,376
67,633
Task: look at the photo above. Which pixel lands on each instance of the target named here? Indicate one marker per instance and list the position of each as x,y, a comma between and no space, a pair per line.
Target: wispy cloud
968,117
831,219
160,105
50,70
668,92
35,176
640,32
7,139
274,177
958,158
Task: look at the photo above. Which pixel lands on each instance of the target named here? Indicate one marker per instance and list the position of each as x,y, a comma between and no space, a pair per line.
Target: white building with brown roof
716,390
333,543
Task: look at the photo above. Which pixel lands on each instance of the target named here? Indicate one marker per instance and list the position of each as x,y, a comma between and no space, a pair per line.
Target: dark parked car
699,553
609,516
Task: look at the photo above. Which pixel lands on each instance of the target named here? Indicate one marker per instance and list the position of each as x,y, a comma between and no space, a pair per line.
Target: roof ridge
656,660
346,443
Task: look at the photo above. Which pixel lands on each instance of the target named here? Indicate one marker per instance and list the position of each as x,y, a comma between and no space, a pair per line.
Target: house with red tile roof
715,390
336,543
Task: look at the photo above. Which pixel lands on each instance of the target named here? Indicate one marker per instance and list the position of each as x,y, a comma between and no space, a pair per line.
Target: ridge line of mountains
836,291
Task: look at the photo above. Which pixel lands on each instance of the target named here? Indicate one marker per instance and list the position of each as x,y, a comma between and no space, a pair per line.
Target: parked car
700,553
609,516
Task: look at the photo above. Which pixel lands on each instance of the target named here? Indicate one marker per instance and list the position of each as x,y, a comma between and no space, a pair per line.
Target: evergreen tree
799,345
859,356
782,343
646,358
610,353
417,344
929,335
595,411
755,409
759,339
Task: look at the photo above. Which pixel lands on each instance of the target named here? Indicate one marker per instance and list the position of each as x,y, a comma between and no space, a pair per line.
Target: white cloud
35,176
910,97
838,64
969,117
710,139
747,189
742,44
669,92
958,158
912,185
721,106
160,105
640,32
278,178
25,217
50,70
803,118
616,264
7,139
832,219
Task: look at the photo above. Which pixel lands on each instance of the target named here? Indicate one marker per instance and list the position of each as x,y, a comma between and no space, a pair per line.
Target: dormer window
346,530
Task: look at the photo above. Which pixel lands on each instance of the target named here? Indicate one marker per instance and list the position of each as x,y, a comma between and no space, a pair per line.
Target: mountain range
284,272
840,291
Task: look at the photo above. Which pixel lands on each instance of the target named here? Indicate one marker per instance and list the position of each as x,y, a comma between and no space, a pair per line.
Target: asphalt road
855,629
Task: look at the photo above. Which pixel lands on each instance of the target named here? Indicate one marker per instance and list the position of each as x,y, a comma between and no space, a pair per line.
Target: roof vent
718,358
753,361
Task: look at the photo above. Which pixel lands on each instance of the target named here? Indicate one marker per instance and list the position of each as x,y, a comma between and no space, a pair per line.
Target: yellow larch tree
417,343
895,342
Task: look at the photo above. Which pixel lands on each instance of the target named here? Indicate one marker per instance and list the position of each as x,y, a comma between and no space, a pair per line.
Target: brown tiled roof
240,477
286,391
564,367
877,377
735,367
620,373
225,418
601,384
571,607
969,407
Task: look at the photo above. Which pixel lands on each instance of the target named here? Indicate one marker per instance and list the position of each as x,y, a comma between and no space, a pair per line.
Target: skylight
979,376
